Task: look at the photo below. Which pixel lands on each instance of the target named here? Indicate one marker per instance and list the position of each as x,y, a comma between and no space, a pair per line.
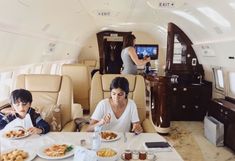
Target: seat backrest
49,90
90,62
81,82
100,85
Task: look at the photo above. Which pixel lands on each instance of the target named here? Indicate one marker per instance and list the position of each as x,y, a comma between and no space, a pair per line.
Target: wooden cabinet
188,95
224,111
188,102
177,102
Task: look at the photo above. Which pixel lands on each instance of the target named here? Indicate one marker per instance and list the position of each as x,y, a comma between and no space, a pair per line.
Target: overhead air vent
207,51
50,48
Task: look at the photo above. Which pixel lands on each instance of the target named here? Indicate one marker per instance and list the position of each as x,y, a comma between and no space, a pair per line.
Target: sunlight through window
231,78
214,16
219,79
188,17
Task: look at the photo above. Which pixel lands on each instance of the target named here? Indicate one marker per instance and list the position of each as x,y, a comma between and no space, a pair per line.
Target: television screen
147,50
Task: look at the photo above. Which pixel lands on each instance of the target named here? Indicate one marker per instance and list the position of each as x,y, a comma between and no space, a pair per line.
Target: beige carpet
184,143
188,139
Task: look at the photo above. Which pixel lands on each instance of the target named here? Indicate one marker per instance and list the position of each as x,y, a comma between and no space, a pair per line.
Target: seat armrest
77,111
84,128
148,126
69,127
4,104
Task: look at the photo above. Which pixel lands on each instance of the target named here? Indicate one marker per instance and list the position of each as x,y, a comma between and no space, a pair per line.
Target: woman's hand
147,59
137,128
106,119
34,130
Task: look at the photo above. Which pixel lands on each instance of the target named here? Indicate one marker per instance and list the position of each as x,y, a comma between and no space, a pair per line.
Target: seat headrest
106,80
42,83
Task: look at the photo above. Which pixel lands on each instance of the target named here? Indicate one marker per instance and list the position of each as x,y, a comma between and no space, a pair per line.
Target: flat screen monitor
150,50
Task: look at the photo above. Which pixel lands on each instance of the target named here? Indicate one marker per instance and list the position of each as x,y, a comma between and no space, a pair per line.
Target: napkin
83,154
25,122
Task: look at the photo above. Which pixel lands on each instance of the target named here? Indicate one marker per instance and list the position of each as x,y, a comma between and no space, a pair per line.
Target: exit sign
165,4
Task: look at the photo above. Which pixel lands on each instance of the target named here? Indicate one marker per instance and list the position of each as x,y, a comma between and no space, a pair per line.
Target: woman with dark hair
116,113
129,56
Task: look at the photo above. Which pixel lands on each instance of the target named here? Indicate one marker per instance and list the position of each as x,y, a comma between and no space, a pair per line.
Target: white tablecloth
134,142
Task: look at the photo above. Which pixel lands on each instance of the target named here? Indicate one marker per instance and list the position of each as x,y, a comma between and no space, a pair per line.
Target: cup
142,155
128,155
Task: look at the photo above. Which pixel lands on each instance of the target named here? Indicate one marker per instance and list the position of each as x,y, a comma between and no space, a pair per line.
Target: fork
125,138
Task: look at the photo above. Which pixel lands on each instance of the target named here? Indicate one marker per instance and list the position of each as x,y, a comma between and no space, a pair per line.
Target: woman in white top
129,56
116,113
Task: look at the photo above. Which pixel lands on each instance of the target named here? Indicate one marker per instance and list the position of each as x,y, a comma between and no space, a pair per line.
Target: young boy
21,100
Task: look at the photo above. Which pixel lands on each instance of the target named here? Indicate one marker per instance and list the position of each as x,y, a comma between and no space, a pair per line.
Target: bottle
96,140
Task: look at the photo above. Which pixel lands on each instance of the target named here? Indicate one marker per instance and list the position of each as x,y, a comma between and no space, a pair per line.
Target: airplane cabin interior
66,53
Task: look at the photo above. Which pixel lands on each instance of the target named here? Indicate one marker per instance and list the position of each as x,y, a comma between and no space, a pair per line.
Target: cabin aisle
189,141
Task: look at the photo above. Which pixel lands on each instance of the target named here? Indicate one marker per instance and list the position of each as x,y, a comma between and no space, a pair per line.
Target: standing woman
129,56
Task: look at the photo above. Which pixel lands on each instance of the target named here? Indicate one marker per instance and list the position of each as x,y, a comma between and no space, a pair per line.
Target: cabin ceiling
70,23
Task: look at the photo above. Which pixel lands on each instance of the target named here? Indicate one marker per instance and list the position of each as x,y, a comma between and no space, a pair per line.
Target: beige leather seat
90,63
100,89
51,90
81,82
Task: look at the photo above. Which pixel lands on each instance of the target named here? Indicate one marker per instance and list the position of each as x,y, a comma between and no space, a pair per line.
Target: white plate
118,137
15,138
41,153
31,154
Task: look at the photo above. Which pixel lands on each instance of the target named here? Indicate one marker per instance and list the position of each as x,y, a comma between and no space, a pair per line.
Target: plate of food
16,134
17,154
107,154
109,136
56,151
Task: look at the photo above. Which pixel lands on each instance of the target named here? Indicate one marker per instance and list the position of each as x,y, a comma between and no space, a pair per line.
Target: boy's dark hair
120,82
129,41
21,94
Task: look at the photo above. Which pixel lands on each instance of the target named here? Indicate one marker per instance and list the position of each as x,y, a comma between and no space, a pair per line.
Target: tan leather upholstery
100,90
90,62
81,82
51,90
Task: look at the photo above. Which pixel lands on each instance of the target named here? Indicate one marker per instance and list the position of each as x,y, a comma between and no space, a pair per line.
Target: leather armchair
100,89
52,90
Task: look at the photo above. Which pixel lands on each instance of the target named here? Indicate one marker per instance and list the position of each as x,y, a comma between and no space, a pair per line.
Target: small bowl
107,158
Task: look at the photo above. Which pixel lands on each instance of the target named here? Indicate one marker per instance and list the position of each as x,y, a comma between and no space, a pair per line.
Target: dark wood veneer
189,102
224,111
105,54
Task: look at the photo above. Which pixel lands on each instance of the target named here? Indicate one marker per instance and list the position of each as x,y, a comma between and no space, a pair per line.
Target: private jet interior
66,52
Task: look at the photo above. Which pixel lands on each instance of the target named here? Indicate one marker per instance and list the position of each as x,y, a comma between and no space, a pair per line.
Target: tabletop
133,142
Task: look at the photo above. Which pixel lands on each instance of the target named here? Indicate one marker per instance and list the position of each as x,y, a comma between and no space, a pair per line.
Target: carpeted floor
188,139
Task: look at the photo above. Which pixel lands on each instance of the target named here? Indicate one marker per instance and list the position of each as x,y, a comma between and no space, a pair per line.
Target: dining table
124,141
